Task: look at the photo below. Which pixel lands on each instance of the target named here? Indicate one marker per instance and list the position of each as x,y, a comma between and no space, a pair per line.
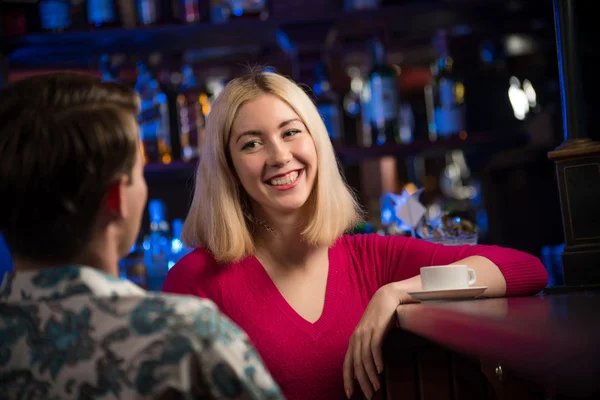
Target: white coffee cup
447,277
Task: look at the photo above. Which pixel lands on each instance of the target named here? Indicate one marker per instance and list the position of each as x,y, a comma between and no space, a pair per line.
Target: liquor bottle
249,9
365,139
78,15
353,109
55,15
102,14
189,11
222,11
383,98
157,246
219,11
150,11
153,117
19,18
192,103
109,72
127,13
178,249
351,5
445,94
328,105
133,266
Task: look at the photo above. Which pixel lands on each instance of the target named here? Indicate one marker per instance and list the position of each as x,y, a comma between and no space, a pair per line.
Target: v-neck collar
313,329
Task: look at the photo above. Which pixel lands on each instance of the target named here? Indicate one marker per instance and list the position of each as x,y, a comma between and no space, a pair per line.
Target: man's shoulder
198,318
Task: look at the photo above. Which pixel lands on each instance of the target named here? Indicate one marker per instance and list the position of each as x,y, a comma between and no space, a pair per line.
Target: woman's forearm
487,274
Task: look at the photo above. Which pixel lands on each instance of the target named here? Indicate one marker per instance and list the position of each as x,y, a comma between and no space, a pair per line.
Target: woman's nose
279,154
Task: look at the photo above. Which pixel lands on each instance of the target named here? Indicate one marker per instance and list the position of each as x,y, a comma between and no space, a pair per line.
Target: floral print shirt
77,333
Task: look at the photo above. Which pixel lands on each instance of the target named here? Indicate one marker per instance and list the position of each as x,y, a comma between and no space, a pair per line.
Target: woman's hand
363,358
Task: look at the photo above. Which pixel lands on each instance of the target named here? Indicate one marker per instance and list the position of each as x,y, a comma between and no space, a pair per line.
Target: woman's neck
279,239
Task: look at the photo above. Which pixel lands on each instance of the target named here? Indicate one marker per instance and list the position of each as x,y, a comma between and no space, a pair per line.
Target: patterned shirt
78,333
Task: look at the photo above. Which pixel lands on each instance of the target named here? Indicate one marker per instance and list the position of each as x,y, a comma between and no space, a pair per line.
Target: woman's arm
506,272
487,274
396,263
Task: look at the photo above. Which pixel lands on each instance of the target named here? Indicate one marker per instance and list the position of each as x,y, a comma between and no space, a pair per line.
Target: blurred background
459,98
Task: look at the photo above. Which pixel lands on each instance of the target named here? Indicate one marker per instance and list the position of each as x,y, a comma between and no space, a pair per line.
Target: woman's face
273,155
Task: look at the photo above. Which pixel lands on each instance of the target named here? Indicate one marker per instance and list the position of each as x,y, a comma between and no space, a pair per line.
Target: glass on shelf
467,239
448,230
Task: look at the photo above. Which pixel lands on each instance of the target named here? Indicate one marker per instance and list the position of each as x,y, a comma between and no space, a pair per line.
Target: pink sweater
306,358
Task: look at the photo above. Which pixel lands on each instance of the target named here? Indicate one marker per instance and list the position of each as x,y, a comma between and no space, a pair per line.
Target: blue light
487,55
481,220
386,216
284,41
176,245
353,109
238,11
317,89
161,98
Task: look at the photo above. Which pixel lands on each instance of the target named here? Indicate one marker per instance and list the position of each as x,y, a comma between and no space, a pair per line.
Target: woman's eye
250,145
291,132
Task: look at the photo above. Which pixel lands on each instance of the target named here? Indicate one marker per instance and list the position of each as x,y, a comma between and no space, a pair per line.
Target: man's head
71,171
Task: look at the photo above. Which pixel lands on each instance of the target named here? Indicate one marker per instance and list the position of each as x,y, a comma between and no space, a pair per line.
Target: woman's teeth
285,180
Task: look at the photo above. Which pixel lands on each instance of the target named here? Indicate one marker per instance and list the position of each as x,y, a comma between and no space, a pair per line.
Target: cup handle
472,277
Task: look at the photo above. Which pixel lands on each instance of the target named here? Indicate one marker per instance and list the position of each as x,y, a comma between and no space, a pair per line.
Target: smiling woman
268,221
275,157
261,127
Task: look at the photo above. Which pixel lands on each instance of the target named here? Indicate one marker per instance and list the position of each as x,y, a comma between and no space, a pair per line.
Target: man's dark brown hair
64,139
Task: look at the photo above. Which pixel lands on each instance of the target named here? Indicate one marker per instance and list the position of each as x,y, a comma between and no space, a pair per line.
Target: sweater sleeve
399,258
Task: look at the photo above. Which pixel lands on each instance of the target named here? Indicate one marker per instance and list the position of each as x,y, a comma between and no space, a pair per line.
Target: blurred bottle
78,15
133,265
406,118
109,71
551,257
149,11
157,246
225,10
102,14
365,137
249,9
189,11
55,15
192,104
383,103
19,18
350,5
127,13
445,94
353,113
154,117
178,249
6,264
328,105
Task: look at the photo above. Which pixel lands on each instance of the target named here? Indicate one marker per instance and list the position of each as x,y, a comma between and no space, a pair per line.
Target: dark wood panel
467,380
548,340
434,374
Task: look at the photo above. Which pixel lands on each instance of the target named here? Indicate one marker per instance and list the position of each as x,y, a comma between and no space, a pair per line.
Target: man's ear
113,198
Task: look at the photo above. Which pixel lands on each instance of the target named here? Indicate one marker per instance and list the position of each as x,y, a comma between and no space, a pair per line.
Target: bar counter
538,347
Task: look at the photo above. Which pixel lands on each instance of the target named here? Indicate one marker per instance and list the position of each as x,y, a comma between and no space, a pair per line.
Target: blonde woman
268,220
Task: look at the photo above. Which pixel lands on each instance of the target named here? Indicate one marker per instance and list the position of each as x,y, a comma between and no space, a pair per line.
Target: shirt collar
61,282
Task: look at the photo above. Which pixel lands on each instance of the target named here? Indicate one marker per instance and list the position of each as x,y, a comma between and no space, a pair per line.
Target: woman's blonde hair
219,218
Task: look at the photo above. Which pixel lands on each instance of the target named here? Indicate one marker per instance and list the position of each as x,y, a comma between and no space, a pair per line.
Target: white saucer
449,294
